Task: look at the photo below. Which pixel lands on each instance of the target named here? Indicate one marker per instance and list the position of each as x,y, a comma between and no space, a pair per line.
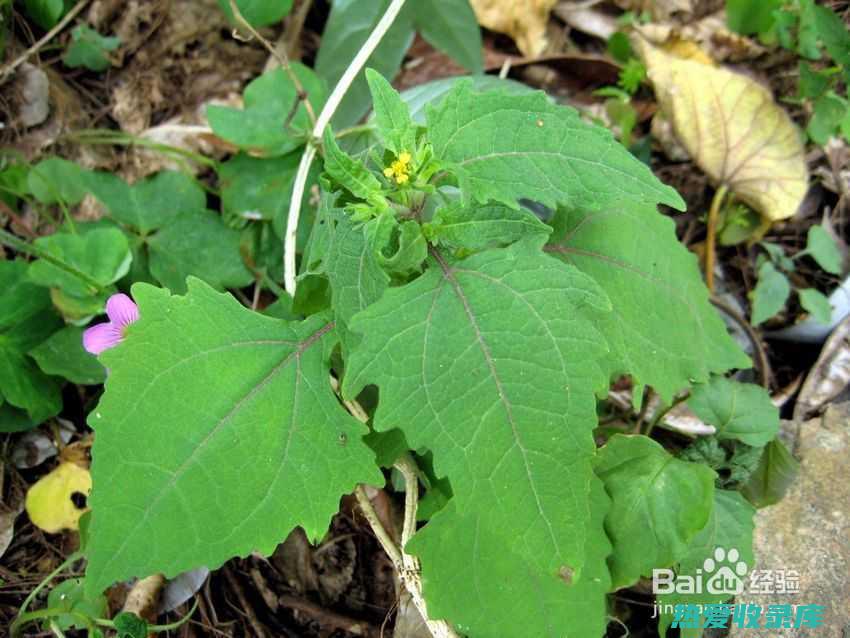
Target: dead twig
6,70
259,630
329,619
283,60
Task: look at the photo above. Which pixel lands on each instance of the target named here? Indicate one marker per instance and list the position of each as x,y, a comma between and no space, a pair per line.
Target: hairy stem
325,116
407,566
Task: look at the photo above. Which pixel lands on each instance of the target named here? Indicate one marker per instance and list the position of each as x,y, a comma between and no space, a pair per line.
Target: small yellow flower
400,168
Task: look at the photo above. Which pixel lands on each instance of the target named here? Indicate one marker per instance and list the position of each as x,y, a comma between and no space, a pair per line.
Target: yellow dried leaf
523,20
733,130
49,502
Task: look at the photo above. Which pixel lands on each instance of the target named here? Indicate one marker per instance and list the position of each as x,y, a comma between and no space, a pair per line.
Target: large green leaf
218,433
15,420
268,124
103,254
257,188
451,26
659,503
63,355
506,147
55,180
497,592
46,13
259,13
347,28
26,320
197,244
150,203
479,226
663,330
730,527
20,299
489,363
741,411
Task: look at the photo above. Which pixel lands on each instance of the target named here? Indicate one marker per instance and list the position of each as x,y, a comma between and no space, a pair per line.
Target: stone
809,530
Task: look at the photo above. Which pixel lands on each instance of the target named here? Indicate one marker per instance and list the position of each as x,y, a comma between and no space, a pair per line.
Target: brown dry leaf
830,376
732,129
523,20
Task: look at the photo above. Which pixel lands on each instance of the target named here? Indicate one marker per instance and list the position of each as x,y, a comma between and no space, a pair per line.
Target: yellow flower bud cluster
400,168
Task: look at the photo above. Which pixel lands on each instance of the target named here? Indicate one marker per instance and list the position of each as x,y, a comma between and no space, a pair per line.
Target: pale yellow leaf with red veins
51,503
732,129
523,20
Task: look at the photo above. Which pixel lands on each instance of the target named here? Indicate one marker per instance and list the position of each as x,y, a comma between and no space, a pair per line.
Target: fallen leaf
661,10
732,129
34,447
710,33
181,588
523,20
588,19
51,502
830,376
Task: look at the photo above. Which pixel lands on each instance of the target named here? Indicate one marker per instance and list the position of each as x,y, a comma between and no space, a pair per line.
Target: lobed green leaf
217,435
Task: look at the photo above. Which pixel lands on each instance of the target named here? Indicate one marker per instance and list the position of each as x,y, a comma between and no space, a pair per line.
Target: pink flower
122,311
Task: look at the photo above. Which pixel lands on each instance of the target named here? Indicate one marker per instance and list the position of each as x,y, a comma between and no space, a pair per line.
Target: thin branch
762,362
282,59
324,118
6,70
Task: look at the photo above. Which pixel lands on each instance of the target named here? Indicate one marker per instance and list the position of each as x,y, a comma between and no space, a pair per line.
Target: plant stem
407,566
119,138
18,244
325,116
711,239
282,59
354,130
23,616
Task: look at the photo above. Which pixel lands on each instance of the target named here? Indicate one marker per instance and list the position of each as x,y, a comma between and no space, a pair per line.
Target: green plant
817,34
773,288
487,268
89,49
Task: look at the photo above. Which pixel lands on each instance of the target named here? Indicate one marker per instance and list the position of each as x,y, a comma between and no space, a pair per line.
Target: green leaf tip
490,138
